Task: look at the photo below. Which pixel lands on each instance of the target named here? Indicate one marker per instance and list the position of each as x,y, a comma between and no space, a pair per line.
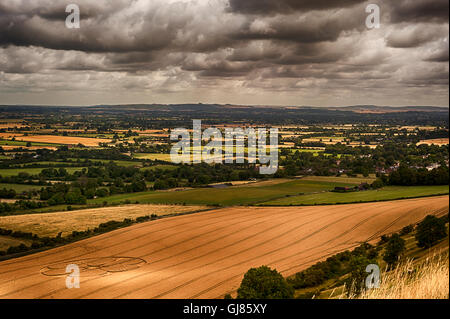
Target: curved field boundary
206,255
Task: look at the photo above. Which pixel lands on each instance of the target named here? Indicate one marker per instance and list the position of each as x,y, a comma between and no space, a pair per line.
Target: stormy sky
269,52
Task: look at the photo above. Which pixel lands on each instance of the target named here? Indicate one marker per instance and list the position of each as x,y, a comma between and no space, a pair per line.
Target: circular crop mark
96,266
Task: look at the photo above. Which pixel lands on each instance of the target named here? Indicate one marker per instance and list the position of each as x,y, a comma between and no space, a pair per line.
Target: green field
386,193
121,163
237,195
149,156
118,162
22,143
19,187
341,179
32,171
163,167
104,161
49,164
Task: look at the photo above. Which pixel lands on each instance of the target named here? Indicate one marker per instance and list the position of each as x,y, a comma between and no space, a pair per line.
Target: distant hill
388,109
199,106
182,114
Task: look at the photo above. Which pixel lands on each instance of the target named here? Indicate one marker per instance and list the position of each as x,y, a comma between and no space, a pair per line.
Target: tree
160,184
407,230
430,231
264,283
102,192
394,249
75,197
57,199
355,283
377,184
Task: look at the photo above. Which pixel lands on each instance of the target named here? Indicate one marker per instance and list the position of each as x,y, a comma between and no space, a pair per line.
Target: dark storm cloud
106,30
439,53
419,11
292,30
104,27
169,46
430,76
415,35
286,6
22,31
58,13
440,56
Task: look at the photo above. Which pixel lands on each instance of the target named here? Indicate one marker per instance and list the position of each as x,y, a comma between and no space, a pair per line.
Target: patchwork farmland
96,187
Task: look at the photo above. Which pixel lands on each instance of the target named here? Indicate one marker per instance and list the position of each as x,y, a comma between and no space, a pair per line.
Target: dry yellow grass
50,224
69,140
437,141
6,242
426,280
11,125
2,200
422,128
9,135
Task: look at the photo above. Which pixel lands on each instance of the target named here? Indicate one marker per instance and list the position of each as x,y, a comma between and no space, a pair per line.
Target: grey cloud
415,35
439,53
440,56
113,29
169,47
303,28
265,7
419,11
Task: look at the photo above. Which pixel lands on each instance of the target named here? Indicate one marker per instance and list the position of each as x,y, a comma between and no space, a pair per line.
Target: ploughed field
205,255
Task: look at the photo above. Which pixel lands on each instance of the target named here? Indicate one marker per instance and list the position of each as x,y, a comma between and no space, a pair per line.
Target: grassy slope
386,193
51,224
117,162
243,195
22,143
6,241
149,156
19,187
162,167
330,290
341,179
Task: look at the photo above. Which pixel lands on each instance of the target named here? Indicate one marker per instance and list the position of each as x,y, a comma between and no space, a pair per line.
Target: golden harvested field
205,255
50,224
11,125
146,131
422,128
9,135
161,135
2,200
55,139
364,145
325,140
437,141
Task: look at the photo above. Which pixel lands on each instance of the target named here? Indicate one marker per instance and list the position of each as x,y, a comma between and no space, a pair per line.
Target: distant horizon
231,104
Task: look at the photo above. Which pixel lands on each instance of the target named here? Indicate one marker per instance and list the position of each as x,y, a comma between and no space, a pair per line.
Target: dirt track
205,255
